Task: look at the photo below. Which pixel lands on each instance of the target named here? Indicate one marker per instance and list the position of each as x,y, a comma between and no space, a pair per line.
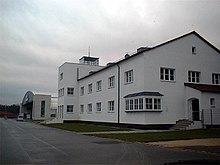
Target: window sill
126,83
111,111
69,112
143,111
170,81
111,87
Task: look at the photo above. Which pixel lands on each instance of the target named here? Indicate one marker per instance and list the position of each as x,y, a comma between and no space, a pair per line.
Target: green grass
79,127
163,136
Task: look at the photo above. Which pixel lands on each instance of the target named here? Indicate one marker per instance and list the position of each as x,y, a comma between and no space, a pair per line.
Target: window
111,82
81,108
82,91
42,109
98,107
127,102
61,92
157,104
135,104
193,50
69,108
90,88
193,76
61,76
212,102
141,103
149,103
70,91
89,108
129,76
111,106
215,78
131,104
98,85
167,74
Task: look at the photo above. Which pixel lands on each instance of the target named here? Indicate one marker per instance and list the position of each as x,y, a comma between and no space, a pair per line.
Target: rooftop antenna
89,51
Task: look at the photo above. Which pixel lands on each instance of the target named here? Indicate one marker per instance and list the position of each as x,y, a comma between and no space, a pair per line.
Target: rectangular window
69,108
157,104
90,88
141,103
215,78
81,108
149,103
193,50
193,76
89,108
98,107
42,109
131,104
61,92
98,85
111,82
129,77
127,102
167,74
70,91
212,102
135,104
82,91
61,76
111,106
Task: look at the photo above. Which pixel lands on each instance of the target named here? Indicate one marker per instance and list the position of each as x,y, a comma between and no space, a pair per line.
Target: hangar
37,106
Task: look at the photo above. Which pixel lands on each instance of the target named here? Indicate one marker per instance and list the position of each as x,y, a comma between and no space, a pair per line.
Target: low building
37,106
156,86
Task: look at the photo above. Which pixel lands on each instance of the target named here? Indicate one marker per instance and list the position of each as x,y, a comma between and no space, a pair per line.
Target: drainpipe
118,93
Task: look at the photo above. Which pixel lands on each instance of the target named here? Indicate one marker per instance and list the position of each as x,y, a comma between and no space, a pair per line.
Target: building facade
38,106
178,79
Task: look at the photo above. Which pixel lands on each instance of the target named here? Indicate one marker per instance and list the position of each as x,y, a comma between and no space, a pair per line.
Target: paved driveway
28,143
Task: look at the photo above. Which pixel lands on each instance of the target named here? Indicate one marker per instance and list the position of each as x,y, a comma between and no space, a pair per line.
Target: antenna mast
89,51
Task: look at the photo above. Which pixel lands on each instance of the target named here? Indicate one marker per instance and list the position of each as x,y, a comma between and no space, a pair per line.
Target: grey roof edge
154,47
145,93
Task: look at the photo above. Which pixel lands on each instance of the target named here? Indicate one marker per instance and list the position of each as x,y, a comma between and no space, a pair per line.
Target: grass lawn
164,136
79,127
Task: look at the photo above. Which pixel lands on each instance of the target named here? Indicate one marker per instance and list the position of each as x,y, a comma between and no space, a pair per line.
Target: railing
211,116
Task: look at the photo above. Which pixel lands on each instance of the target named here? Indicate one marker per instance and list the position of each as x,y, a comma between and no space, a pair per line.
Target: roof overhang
143,94
204,87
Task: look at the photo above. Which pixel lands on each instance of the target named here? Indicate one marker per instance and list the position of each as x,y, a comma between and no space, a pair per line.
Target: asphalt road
28,143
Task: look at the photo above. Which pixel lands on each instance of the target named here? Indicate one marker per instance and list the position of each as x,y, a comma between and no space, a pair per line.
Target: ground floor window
82,108
145,103
89,108
111,106
69,108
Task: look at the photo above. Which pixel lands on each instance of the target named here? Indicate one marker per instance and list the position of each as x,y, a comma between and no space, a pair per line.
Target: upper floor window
98,85
111,106
69,108
82,91
167,74
193,50
90,88
193,76
70,91
61,76
61,92
129,76
111,82
215,78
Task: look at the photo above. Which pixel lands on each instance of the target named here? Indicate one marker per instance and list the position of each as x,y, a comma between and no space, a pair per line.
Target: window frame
194,76
82,91
111,82
69,108
90,88
89,108
98,107
111,106
216,78
165,74
70,91
81,108
129,77
98,85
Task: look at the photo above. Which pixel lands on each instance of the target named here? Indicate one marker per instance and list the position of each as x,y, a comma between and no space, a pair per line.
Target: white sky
37,36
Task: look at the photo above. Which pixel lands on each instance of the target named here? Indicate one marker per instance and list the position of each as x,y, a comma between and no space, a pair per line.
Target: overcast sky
37,36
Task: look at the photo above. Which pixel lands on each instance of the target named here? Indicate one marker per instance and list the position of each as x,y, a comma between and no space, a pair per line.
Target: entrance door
195,110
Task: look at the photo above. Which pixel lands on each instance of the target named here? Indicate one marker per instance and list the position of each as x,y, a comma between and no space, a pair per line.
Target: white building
38,106
160,85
